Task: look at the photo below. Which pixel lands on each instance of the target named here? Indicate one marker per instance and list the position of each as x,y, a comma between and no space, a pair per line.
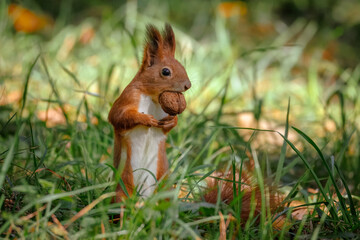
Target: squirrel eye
165,72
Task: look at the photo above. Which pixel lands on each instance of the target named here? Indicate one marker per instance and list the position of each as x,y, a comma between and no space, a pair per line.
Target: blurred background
245,59
251,63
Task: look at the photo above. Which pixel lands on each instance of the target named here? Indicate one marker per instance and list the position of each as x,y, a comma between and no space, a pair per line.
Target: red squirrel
139,122
141,128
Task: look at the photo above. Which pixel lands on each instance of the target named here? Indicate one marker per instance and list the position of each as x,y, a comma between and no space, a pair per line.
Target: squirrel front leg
130,118
168,123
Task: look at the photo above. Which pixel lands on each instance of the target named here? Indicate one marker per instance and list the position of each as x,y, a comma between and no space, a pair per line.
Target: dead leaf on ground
87,34
10,98
271,140
230,9
298,213
52,117
27,21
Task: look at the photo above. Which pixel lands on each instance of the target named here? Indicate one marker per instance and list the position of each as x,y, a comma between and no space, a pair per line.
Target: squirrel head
160,71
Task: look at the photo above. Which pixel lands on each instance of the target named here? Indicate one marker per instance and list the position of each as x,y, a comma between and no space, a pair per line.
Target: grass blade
283,149
351,202
52,84
7,122
27,80
72,75
220,110
10,156
341,199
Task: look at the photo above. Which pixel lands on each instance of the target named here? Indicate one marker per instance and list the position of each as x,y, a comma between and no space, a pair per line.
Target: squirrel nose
187,85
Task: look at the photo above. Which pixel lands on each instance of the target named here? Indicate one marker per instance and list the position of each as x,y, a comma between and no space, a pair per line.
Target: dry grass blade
224,225
102,229
13,228
86,209
31,215
60,226
121,218
68,187
9,231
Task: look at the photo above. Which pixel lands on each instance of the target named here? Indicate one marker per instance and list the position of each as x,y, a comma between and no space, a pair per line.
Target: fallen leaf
270,140
86,35
10,98
298,213
52,117
313,191
27,21
230,9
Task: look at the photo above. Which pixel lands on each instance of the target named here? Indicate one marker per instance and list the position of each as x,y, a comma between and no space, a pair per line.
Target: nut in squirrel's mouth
170,92
172,102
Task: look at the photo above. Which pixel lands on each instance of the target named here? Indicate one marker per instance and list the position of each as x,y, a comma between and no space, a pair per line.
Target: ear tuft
153,37
153,46
169,39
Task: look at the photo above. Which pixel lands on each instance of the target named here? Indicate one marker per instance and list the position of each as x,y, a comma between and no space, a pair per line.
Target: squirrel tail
250,194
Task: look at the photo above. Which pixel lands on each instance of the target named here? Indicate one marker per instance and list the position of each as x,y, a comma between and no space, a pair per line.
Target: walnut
172,102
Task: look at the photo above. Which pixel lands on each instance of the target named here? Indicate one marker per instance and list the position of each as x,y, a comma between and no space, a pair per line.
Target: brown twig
31,215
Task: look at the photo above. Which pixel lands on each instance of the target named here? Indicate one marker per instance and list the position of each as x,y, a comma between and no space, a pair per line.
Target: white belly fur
144,148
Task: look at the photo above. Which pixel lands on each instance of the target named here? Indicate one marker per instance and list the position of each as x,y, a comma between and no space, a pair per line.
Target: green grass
64,172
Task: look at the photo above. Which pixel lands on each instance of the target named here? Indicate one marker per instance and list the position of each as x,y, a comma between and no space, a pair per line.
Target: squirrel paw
167,123
149,121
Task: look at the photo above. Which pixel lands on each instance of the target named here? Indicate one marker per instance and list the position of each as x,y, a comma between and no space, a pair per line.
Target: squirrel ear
153,47
169,39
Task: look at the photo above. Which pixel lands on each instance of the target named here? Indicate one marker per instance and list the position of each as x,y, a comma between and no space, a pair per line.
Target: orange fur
162,164
248,188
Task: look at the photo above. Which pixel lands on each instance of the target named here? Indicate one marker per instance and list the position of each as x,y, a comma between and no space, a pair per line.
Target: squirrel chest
144,145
